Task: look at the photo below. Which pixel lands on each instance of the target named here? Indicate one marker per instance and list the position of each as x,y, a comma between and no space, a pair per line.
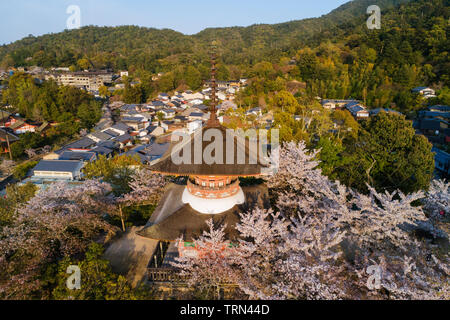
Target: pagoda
208,190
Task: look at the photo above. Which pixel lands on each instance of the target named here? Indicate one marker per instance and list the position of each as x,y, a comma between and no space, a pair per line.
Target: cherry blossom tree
46,149
83,132
437,202
323,239
146,187
60,220
30,153
213,269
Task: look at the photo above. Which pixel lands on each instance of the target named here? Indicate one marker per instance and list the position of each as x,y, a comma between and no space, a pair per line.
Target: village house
180,118
201,107
168,113
78,156
164,96
195,102
150,153
137,122
155,131
434,123
194,126
196,116
5,138
442,161
99,136
332,104
189,96
156,104
357,110
170,125
226,105
255,111
222,95
18,125
125,140
433,127
91,80
119,128
374,112
84,144
426,92
439,108
436,112
54,170
103,150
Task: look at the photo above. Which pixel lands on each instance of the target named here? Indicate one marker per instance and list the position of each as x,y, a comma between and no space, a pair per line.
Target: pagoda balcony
214,191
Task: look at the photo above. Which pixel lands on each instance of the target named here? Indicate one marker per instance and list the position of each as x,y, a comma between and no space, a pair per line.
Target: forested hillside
336,55
127,46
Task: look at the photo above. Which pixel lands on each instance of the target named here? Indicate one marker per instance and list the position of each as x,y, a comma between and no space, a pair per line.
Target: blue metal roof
59,165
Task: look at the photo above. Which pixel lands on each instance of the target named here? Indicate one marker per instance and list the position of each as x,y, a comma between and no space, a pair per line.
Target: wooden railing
164,275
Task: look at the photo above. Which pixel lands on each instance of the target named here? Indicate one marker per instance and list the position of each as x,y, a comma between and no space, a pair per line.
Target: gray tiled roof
123,137
156,149
110,144
81,144
121,126
158,103
101,135
111,133
58,165
73,155
102,150
132,119
12,137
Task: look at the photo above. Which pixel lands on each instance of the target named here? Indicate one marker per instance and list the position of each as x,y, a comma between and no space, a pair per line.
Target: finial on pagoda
213,121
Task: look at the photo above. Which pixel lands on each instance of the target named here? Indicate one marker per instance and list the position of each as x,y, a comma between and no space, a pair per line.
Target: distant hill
126,46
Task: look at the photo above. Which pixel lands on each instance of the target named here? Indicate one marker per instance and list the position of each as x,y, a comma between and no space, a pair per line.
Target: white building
426,92
58,170
194,126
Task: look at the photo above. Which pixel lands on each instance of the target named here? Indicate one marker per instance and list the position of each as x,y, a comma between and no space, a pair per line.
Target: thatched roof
190,224
241,147
173,219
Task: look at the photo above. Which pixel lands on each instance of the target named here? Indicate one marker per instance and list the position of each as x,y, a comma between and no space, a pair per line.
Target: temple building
203,190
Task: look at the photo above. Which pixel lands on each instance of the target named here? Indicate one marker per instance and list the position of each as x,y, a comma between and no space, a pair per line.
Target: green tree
285,101
98,282
116,171
21,170
390,156
103,91
15,196
84,64
193,78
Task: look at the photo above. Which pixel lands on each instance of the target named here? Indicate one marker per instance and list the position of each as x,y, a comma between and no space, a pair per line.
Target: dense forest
421,24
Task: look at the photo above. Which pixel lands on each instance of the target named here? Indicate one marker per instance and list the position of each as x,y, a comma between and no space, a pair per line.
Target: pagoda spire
213,121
